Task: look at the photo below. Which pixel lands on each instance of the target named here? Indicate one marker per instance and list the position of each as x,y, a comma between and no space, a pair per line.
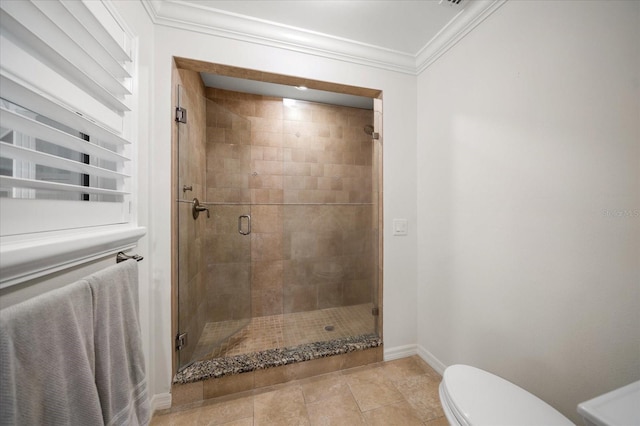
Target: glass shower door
330,223
214,245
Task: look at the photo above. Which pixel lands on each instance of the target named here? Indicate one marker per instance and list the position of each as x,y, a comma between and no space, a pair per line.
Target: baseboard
161,401
430,359
399,352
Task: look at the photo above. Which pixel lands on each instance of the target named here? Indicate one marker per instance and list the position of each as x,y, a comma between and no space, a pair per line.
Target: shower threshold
232,365
274,340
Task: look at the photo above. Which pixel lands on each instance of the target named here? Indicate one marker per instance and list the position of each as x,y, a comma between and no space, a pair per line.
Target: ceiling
400,25
400,35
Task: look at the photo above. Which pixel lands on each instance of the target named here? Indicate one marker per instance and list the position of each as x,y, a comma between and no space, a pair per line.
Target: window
66,78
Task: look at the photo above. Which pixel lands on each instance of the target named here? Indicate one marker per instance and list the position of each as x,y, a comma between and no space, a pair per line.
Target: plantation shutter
65,89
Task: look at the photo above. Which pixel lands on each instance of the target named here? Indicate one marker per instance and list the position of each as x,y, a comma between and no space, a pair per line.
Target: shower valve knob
196,208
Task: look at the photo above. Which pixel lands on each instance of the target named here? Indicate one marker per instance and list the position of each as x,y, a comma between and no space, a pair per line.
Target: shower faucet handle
196,208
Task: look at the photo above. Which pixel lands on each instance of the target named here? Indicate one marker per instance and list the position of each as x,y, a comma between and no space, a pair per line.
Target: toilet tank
620,407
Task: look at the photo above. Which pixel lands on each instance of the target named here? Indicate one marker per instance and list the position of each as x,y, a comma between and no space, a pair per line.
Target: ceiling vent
456,4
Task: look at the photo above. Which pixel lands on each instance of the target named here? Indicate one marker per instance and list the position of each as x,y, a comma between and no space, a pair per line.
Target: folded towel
120,373
47,360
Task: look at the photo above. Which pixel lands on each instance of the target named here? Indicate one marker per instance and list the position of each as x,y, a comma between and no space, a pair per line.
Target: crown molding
193,17
466,20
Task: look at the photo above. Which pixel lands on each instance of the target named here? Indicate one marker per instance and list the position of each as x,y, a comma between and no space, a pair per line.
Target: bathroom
512,156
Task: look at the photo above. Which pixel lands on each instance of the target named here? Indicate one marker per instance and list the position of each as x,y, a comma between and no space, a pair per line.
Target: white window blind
66,79
65,84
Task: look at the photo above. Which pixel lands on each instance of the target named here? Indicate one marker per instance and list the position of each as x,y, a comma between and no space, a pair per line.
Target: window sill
26,258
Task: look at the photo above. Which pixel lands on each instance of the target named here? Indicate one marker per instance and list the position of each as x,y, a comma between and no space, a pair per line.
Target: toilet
473,397
618,407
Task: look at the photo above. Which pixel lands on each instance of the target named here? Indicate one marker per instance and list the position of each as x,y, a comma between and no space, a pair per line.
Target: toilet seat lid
481,398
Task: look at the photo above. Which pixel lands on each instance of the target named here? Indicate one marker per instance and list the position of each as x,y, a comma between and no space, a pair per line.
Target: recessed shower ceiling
283,91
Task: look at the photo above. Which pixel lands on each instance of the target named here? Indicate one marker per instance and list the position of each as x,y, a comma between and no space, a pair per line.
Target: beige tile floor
278,331
402,392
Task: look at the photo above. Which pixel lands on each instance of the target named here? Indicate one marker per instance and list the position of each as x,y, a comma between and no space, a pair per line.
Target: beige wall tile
330,295
360,358
273,376
267,196
187,393
272,109
319,141
316,367
267,302
270,125
296,114
267,275
300,298
266,246
229,384
266,138
265,167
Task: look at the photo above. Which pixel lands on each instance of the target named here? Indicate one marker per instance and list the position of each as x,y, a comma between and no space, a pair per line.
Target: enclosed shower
278,222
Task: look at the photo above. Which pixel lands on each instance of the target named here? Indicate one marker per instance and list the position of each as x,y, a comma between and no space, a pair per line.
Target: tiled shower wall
228,252
285,161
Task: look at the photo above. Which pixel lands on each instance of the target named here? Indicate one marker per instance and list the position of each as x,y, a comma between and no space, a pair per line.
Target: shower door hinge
181,115
181,341
375,311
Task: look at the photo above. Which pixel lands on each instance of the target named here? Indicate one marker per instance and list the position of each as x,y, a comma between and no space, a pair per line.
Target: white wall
140,24
529,199
399,168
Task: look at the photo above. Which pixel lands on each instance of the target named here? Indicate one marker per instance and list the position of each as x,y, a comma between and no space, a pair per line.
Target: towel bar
121,257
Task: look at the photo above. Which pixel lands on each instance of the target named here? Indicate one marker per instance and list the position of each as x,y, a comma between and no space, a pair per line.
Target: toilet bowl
474,397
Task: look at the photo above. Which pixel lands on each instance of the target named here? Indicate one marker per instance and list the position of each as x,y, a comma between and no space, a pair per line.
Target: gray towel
47,360
120,372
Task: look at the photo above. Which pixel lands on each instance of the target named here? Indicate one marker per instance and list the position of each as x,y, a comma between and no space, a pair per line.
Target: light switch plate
400,227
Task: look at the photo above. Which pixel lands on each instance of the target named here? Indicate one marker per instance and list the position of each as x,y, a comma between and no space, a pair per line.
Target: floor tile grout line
406,368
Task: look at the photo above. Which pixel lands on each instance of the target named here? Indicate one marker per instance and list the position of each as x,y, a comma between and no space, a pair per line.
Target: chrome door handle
248,217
